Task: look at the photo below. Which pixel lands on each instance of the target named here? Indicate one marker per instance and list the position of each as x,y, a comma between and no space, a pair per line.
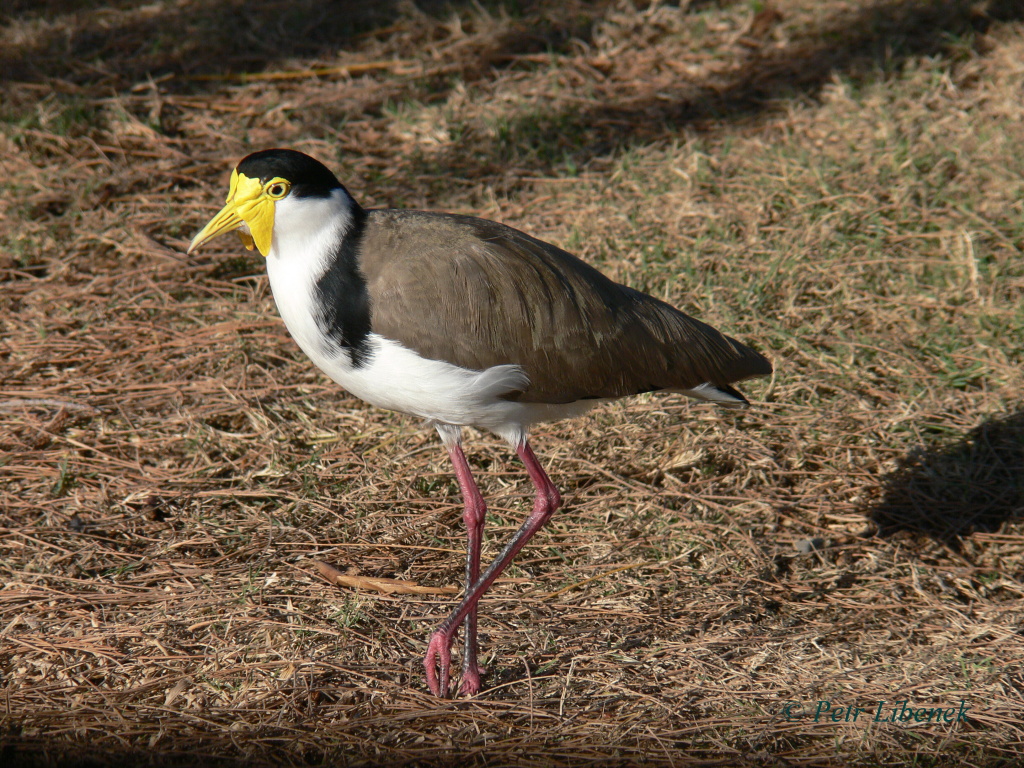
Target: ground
838,183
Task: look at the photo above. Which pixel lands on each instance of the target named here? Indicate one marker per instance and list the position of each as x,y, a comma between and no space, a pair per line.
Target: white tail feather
708,391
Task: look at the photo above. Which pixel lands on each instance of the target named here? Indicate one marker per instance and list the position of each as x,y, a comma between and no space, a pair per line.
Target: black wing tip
755,363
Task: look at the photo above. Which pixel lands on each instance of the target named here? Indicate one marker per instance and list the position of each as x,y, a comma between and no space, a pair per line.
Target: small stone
806,546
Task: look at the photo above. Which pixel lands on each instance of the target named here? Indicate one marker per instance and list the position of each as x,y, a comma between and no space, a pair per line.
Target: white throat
306,229
306,233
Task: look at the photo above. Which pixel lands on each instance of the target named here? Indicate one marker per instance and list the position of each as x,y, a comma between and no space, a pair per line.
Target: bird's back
484,294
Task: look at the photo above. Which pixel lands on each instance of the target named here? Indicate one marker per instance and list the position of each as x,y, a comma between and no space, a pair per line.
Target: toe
470,682
437,663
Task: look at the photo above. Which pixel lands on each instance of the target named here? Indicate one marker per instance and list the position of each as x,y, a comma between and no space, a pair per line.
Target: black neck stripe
343,302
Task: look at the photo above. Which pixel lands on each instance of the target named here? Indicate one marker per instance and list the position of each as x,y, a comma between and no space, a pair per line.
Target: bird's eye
278,189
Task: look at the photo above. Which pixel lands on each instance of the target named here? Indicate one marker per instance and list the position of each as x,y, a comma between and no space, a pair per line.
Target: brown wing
477,293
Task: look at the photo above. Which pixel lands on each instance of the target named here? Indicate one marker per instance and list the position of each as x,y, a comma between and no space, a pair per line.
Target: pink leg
473,515
438,660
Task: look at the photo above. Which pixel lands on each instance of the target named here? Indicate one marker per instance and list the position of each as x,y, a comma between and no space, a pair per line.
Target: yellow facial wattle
250,202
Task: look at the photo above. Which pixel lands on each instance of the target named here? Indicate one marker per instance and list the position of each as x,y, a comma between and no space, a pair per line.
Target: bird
463,322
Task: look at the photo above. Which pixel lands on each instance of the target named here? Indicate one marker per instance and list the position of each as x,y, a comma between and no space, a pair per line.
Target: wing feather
478,294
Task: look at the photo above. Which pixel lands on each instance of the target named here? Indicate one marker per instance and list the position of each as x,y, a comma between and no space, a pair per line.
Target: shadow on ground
948,493
34,754
117,43
861,45
217,750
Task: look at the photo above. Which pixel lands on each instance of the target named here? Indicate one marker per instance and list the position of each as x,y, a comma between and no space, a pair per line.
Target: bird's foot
470,680
438,662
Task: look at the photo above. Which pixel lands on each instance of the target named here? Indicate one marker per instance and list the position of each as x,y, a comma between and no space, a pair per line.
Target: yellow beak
247,205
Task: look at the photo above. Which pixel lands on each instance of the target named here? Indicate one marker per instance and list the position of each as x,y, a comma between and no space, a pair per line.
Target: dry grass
840,185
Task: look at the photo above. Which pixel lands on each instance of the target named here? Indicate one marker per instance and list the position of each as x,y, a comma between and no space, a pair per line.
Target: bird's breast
382,371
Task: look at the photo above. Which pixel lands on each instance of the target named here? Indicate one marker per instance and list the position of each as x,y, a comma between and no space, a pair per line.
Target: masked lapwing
463,322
